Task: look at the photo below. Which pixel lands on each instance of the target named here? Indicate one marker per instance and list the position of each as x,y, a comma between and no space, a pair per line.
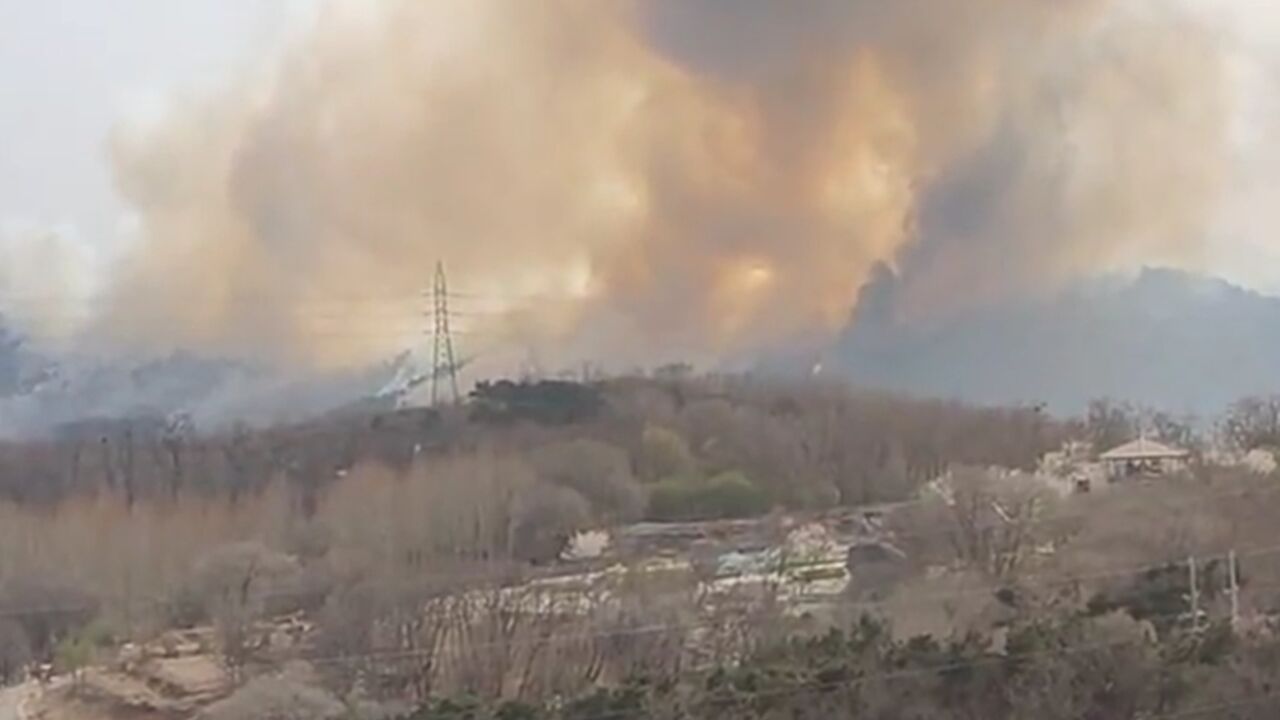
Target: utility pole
442,358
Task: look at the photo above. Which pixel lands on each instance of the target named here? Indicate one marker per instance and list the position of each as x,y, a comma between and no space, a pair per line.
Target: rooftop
1144,449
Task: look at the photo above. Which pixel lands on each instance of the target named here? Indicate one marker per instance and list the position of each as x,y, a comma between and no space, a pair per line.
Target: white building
1143,457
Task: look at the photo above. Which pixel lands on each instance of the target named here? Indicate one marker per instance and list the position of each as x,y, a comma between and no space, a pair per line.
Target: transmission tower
442,359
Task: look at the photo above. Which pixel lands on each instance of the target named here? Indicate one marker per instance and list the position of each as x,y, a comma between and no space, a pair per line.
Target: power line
11,302
308,309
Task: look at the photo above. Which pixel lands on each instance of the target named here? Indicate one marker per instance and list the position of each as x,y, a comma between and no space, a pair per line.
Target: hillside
1165,339
40,391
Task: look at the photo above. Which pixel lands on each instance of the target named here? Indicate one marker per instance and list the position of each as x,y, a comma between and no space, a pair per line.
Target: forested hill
613,445
1164,339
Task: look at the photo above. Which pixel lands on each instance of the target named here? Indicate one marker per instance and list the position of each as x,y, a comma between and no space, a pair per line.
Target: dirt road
13,701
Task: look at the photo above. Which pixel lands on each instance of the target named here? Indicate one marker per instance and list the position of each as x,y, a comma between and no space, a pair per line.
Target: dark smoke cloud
1054,140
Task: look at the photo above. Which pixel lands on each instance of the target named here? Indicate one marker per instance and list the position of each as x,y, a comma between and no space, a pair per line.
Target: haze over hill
629,184
39,391
1164,338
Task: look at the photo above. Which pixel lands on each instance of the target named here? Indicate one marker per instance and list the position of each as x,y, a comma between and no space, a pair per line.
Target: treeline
758,443
754,442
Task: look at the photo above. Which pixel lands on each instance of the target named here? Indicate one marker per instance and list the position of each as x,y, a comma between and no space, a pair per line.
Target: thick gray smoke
1046,140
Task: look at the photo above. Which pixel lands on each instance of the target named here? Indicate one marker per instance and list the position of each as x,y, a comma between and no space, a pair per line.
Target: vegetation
278,698
416,544
1059,667
15,651
1253,423
725,496
803,444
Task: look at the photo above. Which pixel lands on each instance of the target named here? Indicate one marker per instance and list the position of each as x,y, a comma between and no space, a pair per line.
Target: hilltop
1164,338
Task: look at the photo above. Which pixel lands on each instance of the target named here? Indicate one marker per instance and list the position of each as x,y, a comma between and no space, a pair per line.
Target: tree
1161,594
1252,423
234,580
990,520
15,651
545,402
47,613
726,496
177,435
1109,424
597,471
1176,431
545,519
664,454
732,495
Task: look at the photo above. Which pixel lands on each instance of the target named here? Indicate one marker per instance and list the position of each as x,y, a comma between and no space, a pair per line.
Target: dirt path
13,702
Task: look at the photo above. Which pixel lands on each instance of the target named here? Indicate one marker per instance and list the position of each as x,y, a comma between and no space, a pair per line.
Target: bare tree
234,580
174,441
1108,424
992,521
15,651
597,471
1253,422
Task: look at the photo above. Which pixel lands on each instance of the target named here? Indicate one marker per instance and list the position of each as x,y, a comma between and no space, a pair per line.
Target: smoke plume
675,177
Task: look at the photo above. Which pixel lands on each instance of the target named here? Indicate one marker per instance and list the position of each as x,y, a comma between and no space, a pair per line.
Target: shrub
546,518
624,703
599,472
733,495
235,580
671,500
663,454
73,654
725,496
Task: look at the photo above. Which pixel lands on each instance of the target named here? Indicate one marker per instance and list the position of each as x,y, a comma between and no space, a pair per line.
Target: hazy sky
70,70
1248,244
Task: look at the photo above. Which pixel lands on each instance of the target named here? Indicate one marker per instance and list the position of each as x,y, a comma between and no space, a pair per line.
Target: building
875,567
1143,458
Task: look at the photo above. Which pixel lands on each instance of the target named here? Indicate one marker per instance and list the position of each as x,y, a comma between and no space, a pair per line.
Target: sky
1249,251
72,71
